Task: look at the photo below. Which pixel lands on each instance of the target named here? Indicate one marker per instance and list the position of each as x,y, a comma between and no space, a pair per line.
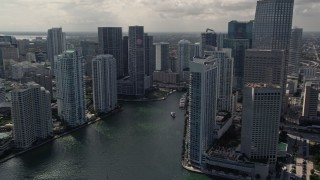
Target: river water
142,142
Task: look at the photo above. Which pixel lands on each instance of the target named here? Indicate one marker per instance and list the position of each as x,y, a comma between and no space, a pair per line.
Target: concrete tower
104,81
70,88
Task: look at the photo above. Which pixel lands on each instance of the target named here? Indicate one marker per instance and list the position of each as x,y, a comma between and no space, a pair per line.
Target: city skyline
158,16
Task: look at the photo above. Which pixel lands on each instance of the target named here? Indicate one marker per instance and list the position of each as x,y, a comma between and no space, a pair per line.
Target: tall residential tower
203,100
56,44
104,81
70,87
31,114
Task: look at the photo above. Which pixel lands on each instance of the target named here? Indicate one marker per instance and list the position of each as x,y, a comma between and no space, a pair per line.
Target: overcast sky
154,15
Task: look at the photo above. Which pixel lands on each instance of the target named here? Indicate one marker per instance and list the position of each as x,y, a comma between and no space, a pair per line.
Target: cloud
155,15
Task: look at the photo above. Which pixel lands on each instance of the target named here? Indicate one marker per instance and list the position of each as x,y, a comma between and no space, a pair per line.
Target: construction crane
210,30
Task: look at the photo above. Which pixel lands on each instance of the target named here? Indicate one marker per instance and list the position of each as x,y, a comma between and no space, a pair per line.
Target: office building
104,80
89,50
56,44
31,115
110,42
238,47
260,122
7,52
310,99
162,56
208,41
125,49
136,59
264,66
70,88
149,59
240,30
203,100
272,30
295,51
272,24
220,39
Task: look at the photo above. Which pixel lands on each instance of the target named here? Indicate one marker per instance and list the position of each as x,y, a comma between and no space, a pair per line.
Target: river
142,142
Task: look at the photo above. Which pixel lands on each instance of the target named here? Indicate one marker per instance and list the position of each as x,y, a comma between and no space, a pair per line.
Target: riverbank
59,136
148,99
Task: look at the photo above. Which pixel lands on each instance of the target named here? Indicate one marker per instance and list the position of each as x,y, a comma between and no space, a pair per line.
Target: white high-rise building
197,49
56,44
104,81
260,122
203,100
183,55
162,56
225,81
70,87
31,114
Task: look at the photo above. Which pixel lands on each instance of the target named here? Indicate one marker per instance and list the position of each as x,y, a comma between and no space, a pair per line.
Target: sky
154,15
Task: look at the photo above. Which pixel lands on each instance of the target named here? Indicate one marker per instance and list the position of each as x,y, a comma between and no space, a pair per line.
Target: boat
173,114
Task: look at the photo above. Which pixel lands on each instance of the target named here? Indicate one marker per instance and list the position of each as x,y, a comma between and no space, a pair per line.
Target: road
301,166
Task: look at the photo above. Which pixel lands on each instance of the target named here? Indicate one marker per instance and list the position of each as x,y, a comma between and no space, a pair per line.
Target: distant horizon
44,32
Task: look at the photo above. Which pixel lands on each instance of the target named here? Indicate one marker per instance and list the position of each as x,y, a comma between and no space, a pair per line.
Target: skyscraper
162,56
240,30
208,41
264,66
56,44
225,78
260,122
104,80
89,50
272,24
31,114
70,87
197,49
110,42
203,100
183,55
125,50
136,59
295,51
149,56
220,39
310,100
238,47
272,29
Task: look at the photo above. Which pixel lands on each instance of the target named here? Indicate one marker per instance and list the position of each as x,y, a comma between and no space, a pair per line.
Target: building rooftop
282,147
262,85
